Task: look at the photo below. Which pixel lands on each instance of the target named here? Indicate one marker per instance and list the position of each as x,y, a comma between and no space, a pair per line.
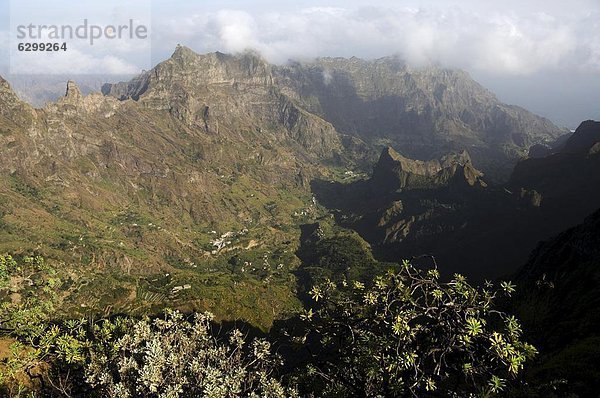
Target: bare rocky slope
165,185
423,113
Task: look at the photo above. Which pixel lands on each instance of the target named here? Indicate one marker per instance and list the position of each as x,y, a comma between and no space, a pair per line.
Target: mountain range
201,172
410,207
224,183
425,112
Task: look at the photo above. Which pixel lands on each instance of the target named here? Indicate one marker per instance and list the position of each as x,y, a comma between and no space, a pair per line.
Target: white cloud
522,46
71,62
513,41
327,77
237,30
504,43
107,57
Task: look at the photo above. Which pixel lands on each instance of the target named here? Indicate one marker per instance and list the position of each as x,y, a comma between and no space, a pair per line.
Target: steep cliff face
224,94
559,302
417,200
425,112
13,112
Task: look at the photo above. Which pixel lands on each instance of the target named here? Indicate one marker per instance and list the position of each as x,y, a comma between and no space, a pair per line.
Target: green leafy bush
29,288
410,334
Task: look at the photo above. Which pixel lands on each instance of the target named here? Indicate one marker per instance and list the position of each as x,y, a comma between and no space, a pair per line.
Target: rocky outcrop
74,104
584,138
572,167
14,113
7,95
395,172
9,100
226,94
531,197
73,94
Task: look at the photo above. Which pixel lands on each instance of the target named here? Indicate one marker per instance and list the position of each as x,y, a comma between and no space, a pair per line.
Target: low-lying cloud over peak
540,54
503,43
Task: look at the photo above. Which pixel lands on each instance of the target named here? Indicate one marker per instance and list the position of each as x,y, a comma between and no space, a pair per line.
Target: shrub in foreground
409,334
169,357
405,333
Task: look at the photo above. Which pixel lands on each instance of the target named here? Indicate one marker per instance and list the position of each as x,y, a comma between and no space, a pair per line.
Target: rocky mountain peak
584,138
389,155
73,93
183,54
466,173
193,74
6,91
462,158
394,171
9,101
217,67
398,163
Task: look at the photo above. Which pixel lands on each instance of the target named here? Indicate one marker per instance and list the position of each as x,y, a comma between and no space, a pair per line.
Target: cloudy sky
543,55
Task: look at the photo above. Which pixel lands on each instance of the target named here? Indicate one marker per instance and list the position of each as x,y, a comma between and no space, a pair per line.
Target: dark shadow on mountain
558,302
419,112
481,231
